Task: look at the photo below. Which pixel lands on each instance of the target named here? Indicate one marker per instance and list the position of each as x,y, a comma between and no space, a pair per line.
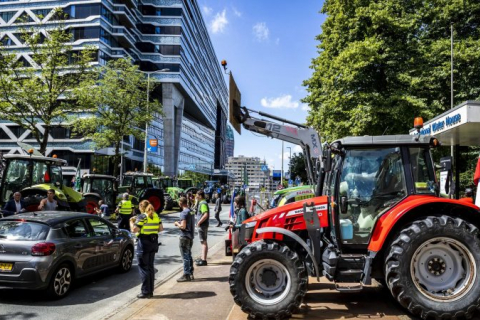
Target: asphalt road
102,295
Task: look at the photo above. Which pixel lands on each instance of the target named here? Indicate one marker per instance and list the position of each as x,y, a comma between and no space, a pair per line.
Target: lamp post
290,163
146,123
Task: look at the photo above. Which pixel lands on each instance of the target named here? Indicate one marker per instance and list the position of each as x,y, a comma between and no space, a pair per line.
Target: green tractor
96,187
173,189
141,186
33,176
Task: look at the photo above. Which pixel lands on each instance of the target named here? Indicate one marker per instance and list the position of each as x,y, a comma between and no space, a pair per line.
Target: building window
170,12
86,33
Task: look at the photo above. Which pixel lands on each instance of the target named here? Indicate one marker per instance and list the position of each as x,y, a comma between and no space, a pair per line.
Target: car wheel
61,282
126,260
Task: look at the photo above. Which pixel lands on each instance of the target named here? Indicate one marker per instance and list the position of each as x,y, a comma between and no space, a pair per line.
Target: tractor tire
432,268
156,198
169,203
91,204
285,280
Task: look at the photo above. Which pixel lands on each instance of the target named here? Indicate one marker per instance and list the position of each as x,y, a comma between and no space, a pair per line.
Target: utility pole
281,173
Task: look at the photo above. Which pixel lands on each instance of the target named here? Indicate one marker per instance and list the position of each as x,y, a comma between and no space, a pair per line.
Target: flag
476,176
77,178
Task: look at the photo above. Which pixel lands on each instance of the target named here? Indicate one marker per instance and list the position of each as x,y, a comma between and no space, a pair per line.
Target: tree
297,167
117,101
37,89
381,63
197,178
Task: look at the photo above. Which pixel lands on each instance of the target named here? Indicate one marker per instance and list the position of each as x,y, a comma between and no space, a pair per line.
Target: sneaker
145,295
184,278
201,263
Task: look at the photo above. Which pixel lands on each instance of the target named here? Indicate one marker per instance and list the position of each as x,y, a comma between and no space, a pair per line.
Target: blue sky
269,45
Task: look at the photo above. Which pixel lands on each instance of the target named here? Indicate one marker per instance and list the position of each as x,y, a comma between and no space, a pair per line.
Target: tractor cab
369,176
141,187
33,176
96,187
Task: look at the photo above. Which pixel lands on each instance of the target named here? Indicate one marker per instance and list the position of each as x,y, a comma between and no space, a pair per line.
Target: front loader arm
305,137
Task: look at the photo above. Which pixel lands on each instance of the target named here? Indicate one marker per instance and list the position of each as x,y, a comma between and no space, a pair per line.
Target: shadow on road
187,295
219,279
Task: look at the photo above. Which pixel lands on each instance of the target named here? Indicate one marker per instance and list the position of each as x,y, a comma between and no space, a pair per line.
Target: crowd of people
147,225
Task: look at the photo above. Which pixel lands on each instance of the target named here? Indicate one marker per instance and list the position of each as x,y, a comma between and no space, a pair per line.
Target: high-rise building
248,170
156,35
229,142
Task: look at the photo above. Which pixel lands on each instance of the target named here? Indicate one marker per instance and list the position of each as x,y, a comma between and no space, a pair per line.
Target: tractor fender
295,237
92,194
416,204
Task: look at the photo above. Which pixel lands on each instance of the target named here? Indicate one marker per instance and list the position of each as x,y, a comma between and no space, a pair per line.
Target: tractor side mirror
343,204
327,164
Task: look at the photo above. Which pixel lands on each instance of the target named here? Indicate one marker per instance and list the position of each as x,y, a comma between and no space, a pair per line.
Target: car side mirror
343,204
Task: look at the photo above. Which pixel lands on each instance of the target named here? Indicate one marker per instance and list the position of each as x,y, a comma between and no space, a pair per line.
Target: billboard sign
152,145
277,174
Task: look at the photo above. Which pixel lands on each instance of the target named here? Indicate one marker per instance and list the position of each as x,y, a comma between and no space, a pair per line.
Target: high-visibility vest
126,207
149,225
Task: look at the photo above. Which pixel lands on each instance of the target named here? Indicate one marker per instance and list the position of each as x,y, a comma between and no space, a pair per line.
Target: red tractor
377,215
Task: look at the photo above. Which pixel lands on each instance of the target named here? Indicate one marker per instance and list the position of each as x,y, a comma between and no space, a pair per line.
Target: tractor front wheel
268,280
432,268
91,204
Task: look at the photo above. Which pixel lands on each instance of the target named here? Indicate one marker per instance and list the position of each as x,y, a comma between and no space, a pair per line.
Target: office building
229,142
257,178
156,35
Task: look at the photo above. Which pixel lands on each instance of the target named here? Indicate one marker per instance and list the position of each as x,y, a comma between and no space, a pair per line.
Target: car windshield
20,230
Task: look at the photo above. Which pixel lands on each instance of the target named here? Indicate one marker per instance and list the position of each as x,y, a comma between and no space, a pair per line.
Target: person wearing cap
125,209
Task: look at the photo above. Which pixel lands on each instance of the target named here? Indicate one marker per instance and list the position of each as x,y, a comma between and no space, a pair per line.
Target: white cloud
260,31
219,22
236,12
297,149
277,41
207,10
282,102
305,107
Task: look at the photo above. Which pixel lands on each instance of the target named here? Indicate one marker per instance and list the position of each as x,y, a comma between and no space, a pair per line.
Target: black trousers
124,221
217,216
147,246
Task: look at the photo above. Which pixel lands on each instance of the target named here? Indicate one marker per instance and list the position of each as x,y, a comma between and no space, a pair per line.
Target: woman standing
241,213
148,225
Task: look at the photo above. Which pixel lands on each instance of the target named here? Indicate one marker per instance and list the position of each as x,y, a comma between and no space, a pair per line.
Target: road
101,296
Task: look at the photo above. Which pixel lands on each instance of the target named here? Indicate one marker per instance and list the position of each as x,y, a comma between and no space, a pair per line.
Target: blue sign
264,167
152,145
277,174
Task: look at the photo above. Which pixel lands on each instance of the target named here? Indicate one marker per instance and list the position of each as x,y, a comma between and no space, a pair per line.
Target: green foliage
117,98
197,178
381,63
297,167
41,92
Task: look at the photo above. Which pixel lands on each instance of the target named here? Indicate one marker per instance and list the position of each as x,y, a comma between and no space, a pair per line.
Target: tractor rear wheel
91,204
268,280
155,198
432,268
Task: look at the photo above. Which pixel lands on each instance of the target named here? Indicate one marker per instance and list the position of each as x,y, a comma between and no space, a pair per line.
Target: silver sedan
50,250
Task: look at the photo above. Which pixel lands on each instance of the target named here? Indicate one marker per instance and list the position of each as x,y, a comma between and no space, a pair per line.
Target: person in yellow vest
125,209
148,225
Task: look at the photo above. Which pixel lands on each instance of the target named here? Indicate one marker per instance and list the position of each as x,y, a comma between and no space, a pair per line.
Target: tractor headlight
249,227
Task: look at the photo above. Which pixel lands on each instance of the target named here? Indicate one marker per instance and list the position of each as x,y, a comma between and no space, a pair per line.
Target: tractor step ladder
348,287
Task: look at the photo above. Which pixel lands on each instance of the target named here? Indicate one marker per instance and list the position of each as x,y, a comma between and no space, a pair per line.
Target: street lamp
146,123
290,163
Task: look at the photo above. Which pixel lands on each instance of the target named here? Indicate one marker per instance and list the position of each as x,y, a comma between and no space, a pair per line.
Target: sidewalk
206,298
323,301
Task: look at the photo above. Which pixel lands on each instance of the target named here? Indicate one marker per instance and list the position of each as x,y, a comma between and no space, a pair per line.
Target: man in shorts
203,215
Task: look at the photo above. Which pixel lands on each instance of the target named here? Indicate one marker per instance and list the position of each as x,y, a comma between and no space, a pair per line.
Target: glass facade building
156,34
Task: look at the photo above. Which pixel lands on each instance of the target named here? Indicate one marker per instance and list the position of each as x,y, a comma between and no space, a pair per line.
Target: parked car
50,250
